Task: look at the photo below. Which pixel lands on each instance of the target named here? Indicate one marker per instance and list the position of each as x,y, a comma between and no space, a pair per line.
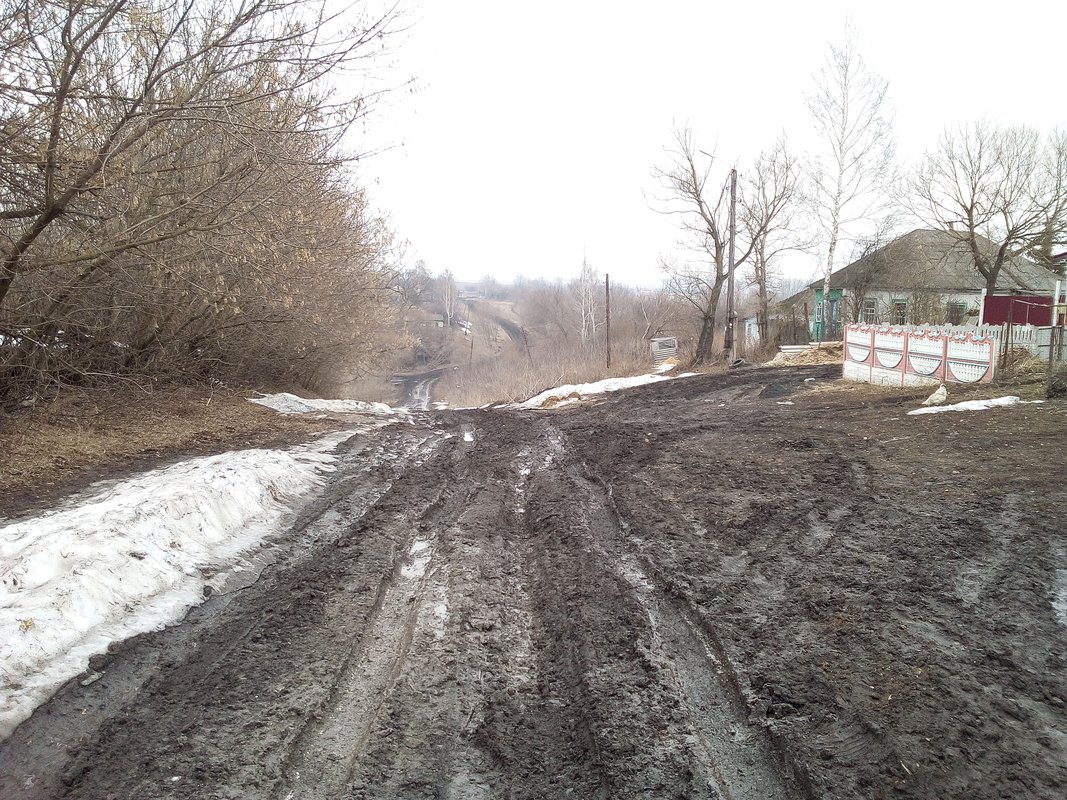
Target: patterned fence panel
906,356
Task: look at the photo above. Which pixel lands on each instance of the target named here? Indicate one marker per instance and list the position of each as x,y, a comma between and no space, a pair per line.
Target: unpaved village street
746,585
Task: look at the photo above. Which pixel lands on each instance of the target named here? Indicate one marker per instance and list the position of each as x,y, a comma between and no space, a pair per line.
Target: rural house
925,276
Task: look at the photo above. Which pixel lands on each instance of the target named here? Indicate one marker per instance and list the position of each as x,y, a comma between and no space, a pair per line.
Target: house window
900,312
869,312
818,312
954,313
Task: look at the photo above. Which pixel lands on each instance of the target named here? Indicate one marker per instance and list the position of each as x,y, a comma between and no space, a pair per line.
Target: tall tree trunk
835,229
706,342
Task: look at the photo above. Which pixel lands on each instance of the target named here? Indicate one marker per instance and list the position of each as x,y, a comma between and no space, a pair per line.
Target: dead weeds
89,434
1026,384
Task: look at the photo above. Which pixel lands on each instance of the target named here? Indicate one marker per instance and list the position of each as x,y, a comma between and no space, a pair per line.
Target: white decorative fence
907,355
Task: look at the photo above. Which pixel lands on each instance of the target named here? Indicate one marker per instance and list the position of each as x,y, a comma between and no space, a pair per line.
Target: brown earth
744,585
88,435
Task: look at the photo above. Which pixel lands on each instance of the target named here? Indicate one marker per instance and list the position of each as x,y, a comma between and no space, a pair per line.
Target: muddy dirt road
416,388
734,586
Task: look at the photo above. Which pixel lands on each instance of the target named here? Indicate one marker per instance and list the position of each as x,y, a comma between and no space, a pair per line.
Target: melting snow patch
286,403
468,436
133,558
420,559
1059,597
439,612
552,398
974,405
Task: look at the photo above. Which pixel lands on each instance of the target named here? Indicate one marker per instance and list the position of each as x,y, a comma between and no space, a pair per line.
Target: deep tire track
684,591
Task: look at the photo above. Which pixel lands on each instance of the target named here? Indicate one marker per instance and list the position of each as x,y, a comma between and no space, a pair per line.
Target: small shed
663,347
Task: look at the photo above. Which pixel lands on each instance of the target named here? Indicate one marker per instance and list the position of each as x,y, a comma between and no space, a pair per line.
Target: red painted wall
1020,309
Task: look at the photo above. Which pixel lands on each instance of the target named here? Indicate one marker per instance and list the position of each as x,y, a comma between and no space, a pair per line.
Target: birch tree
586,294
446,288
849,176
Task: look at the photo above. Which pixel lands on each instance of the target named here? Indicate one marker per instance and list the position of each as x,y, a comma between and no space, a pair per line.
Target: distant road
418,388
513,330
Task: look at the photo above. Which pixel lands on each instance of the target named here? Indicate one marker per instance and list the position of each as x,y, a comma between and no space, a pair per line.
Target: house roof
937,261
797,297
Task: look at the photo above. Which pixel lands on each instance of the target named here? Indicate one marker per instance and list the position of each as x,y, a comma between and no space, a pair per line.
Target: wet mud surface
731,586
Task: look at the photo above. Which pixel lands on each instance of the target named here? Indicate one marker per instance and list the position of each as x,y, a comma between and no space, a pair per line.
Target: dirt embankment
741,585
90,435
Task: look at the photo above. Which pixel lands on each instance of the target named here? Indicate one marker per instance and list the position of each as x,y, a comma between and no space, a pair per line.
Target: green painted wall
836,308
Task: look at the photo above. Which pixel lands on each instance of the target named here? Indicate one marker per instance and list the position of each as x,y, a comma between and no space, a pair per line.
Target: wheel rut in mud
689,590
470,629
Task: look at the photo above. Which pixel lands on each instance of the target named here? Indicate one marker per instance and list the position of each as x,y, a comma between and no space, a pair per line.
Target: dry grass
513,376
1026,386
1022,367
86,435
372,388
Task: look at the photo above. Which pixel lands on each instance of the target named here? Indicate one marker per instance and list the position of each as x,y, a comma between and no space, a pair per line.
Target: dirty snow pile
134,558
974,405
286,403
572,393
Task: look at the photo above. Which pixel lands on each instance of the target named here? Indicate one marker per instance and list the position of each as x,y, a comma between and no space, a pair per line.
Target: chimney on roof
952,226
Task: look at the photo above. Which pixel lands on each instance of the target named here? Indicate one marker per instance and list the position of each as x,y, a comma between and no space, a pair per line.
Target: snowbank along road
717,587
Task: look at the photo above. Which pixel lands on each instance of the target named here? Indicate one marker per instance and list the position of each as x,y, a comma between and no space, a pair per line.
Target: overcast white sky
532,129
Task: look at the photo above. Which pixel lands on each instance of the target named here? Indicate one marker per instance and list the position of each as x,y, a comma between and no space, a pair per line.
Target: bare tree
704,213
170,186
446,290
653,312
870,261
586,295
848,178
769,205
1054,236
413,286
1001,192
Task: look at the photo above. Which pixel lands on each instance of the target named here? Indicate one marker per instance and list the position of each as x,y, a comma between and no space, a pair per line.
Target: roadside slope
86,436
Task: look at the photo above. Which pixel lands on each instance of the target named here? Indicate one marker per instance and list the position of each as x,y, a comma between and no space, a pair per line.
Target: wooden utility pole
731,302
607,317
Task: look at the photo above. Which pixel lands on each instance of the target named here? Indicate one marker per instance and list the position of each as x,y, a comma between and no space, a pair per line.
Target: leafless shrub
172,196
